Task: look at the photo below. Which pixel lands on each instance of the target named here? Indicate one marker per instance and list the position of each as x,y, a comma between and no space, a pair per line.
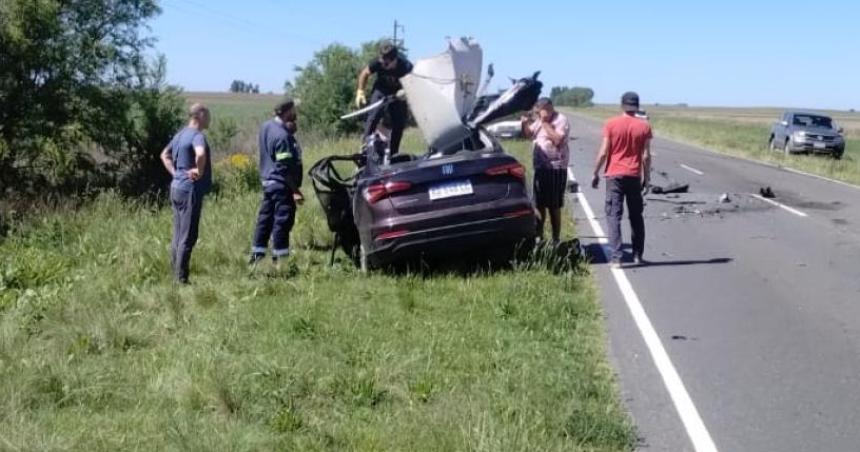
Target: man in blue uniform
281,176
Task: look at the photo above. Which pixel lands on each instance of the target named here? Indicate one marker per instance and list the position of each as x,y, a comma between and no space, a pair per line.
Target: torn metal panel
442,90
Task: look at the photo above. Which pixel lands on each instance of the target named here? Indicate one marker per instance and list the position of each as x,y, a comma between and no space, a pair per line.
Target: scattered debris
672,187
724,198
766,192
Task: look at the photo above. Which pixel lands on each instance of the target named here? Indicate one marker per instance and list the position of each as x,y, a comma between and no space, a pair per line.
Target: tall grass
100,351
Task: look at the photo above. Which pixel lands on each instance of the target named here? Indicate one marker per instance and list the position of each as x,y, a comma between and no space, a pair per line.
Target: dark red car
440,205
470,197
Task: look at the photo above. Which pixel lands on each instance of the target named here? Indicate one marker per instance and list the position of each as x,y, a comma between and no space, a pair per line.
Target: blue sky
725,53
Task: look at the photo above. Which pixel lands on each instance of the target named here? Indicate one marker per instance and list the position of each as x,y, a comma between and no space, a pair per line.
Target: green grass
100,351
240,107
730,135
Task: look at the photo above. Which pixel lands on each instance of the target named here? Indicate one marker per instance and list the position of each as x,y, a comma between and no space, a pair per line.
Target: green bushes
81,108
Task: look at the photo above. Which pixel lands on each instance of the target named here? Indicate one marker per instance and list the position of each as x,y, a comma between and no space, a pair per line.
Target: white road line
692,170
687,411
781,206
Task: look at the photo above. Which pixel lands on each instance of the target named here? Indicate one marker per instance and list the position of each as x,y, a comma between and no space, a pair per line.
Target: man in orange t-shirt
626,154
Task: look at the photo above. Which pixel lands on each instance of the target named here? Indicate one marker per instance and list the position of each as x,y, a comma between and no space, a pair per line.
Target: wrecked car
462,194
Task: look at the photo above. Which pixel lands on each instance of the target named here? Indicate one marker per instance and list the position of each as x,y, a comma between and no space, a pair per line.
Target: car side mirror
784,123
841,130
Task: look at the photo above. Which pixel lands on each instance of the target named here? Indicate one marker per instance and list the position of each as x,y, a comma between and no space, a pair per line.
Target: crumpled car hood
442,94
442,90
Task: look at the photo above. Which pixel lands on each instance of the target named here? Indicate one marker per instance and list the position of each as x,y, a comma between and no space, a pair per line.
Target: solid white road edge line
781,206
687,411
692,170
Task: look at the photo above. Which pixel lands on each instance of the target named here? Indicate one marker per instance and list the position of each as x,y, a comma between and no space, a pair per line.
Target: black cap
630,102
387,50
284,106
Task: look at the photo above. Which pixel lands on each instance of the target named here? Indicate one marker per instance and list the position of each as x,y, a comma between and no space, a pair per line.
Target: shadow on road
594,253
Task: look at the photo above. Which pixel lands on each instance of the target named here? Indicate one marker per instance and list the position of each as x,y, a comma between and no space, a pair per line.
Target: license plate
819,145
450,190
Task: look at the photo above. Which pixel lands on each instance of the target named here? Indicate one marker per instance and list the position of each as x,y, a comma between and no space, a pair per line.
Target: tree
572,96
325,87
71,73
239,86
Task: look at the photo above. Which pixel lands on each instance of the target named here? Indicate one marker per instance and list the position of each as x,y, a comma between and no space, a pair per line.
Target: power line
193,7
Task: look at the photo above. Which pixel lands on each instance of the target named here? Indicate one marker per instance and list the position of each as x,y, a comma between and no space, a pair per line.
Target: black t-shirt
388,80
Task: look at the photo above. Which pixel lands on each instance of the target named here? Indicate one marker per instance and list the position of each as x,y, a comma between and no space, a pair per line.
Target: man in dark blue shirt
188,159
281,177
388,68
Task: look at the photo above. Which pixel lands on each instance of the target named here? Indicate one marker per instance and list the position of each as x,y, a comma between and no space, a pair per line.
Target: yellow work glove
360,98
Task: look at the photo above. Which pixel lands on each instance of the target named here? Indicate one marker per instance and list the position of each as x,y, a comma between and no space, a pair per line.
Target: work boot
638,260
255,259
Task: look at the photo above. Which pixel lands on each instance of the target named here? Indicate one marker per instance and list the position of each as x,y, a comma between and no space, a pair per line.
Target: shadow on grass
562,257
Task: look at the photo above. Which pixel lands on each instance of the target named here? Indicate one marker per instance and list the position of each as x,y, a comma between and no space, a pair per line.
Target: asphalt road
757,306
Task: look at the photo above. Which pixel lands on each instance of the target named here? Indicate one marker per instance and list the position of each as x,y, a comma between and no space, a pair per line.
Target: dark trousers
619,189
187,206
396,112
275,220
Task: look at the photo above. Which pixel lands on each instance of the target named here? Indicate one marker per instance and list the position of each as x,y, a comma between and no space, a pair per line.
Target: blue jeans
187,207
619,190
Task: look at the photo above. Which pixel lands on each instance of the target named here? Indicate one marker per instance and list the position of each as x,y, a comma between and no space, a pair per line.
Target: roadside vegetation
100,351
744,133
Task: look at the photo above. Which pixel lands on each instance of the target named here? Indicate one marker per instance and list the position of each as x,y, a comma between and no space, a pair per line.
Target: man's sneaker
638,260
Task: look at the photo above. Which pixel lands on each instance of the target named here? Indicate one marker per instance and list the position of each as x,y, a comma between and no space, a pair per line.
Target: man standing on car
389,67
626,153
551,155
281,177
188,160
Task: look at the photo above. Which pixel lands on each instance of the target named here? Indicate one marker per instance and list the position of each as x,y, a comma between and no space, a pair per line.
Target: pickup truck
808,133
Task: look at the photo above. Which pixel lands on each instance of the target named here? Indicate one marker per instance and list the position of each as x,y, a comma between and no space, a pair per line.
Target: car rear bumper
454,239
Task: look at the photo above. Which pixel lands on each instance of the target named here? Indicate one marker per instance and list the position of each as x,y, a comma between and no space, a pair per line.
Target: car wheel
838,155
771,145
787,147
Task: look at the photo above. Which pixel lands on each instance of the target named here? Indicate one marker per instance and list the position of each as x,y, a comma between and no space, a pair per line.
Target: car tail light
392,234
518,213
513,169
383,190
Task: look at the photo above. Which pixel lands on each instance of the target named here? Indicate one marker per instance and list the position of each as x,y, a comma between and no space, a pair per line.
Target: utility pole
398,26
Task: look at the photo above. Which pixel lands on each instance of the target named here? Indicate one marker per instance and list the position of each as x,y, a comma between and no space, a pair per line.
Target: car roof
802,112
